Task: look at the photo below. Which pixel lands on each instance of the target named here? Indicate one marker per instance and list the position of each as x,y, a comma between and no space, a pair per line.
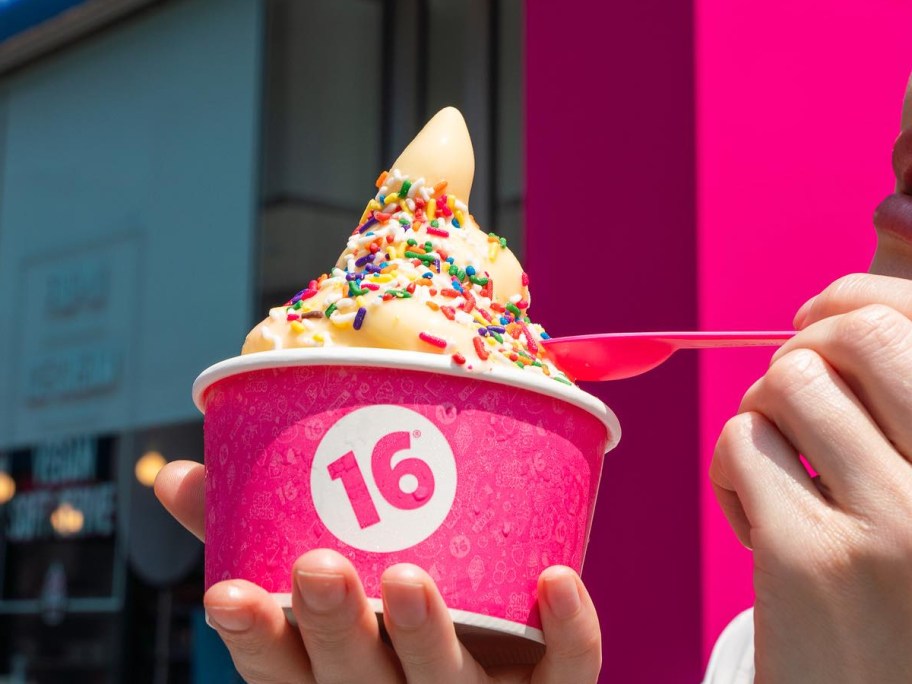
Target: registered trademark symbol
416,433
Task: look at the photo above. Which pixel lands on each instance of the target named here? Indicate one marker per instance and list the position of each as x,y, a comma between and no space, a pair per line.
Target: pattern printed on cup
528,469
383,478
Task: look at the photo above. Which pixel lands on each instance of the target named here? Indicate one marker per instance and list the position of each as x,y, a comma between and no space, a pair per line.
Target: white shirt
732,659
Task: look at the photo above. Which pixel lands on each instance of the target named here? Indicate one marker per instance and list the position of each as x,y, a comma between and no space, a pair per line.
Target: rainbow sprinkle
432,340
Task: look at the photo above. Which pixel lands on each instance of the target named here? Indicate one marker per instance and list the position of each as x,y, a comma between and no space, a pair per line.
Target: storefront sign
61,519
72,460
71,512
74,291
65,501
76,334
72,374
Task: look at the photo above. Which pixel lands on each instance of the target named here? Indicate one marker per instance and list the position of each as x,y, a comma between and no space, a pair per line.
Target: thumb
573,639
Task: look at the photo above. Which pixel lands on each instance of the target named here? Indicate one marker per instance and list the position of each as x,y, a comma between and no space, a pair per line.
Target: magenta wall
732,155
798,106
610,221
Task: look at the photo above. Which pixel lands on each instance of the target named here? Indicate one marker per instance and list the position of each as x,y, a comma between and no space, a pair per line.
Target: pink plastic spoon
615,356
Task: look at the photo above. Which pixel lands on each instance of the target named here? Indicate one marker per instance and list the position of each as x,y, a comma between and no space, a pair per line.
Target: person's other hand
832,554
338,639
893,217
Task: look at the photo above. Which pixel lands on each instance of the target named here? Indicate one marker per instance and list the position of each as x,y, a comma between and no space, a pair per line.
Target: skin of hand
833,553
338,639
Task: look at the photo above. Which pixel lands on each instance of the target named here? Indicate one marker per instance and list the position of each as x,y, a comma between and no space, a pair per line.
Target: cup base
491,641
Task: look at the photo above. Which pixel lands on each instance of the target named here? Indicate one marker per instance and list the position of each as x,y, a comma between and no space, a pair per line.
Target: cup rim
406,360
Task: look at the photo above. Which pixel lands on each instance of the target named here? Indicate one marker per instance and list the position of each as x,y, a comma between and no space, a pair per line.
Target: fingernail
406,604
229,618
322,592
803,312
562,596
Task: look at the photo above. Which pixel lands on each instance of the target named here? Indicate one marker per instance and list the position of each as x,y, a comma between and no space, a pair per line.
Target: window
347,85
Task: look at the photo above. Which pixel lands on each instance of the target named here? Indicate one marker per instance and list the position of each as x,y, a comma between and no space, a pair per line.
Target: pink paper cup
483,479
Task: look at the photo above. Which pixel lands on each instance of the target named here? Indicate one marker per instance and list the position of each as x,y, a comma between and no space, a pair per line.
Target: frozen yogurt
418,273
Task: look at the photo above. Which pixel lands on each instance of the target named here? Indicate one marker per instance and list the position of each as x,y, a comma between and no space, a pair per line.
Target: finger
871,350
181,488
263,646
337,624
573,639
730,503
758,478
422,631
822,419
853,292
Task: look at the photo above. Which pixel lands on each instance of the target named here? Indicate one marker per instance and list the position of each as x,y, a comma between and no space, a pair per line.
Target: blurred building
168,170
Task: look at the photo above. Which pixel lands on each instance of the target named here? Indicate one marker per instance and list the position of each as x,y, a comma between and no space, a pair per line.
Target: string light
7,487
147,467
67,520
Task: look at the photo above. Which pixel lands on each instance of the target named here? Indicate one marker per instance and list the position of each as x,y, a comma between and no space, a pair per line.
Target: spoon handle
772,340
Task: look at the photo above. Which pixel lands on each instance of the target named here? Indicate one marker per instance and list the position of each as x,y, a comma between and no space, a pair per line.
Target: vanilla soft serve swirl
418,274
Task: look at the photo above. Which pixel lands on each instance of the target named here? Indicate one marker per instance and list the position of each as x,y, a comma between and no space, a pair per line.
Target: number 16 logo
383,478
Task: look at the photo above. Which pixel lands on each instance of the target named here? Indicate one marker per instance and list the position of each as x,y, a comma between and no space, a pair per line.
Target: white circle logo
383,478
